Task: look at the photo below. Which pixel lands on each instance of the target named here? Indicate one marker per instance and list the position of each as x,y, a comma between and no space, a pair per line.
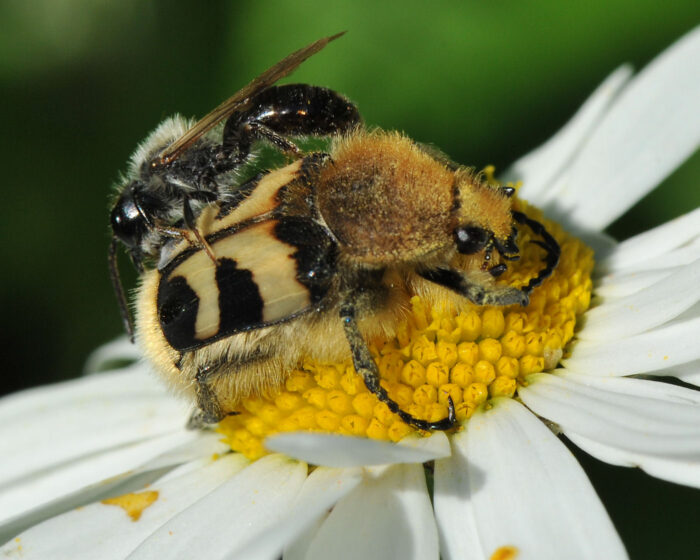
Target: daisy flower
102,467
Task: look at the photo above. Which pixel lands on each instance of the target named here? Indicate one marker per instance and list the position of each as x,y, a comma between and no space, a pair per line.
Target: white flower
504,481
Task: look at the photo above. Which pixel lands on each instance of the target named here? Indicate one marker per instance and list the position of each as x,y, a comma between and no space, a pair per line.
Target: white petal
124,382
648,308
119,349
539,168
616,285
454,509
202,444
616,389
690,372
527,490
146,469
675,257
344,451
653,244
639,418
673,470
388,516
601,243
686,316
321,490
106,531
58,489
50,426
670,345
299,549
226,520
681,256
653,126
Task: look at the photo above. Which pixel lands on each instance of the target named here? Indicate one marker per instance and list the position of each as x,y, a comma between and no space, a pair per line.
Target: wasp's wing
240,100
264,274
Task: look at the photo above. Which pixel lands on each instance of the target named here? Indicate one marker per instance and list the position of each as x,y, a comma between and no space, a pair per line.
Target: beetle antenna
548,243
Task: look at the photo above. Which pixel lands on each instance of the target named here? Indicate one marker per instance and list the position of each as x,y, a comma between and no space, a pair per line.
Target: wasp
319,256
183,166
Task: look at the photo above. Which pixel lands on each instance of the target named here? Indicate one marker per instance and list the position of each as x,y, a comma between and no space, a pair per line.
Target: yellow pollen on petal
470,353
133,504
505,553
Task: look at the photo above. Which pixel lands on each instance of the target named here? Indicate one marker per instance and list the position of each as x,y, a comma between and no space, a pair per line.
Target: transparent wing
240,100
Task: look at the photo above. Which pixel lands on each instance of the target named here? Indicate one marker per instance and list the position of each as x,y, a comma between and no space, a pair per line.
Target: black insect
180,168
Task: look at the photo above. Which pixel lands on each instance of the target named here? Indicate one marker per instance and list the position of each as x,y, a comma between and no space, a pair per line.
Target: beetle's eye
471,239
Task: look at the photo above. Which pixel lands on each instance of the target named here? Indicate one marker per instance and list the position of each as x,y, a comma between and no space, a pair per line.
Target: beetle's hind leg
367,368
208,408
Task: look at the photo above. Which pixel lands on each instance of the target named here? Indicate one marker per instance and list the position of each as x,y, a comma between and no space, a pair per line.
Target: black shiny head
471,239
132,217
127,221
133,213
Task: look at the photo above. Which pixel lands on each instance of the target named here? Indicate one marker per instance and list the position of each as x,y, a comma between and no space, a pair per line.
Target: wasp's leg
259,131
456,280
289,110
367,368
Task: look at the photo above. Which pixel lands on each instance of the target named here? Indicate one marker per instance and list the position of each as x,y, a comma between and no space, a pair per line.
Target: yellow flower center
469,353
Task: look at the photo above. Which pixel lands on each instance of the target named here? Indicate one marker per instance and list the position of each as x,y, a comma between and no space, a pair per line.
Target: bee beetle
183,166
318,257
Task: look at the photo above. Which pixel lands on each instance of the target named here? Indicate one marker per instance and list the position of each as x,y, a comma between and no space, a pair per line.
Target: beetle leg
208,407
457,281
367,368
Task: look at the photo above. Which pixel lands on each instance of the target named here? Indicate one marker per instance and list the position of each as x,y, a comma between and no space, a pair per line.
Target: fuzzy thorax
377,181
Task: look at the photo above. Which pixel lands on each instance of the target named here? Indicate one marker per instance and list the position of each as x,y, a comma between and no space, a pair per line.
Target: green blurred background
83,81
